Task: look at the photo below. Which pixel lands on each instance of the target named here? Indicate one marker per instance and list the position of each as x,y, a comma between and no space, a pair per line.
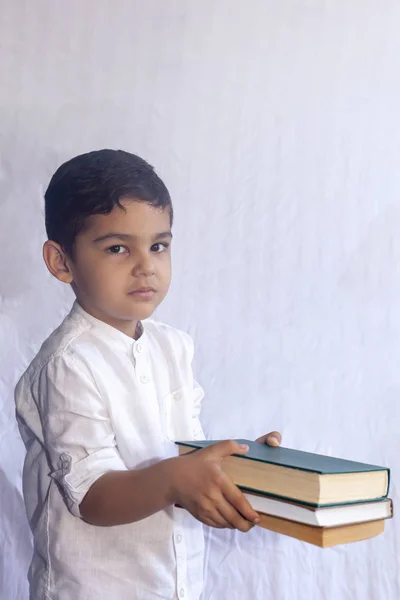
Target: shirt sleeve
198,392
198,395
77,432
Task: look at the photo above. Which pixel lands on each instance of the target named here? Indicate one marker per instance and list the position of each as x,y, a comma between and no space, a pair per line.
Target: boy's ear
57,261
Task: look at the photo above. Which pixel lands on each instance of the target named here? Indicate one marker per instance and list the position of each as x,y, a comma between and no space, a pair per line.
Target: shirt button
139,348
178,538
144,379
182,593
177,396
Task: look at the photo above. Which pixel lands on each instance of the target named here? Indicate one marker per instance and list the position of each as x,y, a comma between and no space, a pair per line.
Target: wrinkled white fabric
276,126
95,400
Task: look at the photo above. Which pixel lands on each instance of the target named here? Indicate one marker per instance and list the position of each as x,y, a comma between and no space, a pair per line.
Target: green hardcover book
303,477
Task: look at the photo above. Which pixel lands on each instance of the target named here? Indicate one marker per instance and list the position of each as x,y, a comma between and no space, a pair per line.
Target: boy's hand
271,439
200,485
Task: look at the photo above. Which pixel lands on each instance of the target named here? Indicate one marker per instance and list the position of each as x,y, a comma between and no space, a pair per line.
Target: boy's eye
116,249
159,247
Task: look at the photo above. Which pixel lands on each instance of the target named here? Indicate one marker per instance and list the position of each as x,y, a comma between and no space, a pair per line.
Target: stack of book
318,499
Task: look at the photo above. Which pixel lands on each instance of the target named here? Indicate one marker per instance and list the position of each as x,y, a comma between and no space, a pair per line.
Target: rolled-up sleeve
77,431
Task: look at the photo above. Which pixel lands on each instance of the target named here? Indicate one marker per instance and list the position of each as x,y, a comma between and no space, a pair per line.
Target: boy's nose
144,266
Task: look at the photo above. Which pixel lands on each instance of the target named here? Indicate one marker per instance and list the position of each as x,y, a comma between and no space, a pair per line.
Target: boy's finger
211,515
233,517
273,439
225,448
235,497
217,521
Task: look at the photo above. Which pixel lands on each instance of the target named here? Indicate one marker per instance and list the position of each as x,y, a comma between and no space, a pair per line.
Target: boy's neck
131,328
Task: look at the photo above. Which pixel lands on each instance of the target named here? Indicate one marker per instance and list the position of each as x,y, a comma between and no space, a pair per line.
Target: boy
115,514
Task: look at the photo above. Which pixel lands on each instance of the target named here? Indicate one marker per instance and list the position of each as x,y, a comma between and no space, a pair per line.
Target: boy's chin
142,312
143,315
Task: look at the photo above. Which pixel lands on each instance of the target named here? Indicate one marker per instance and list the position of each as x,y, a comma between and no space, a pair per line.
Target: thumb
226,448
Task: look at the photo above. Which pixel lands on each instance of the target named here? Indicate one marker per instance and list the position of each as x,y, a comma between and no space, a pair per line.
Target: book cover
326,516
294,459
324,537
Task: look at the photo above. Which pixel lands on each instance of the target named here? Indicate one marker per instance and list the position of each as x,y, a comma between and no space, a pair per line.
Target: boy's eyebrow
130,238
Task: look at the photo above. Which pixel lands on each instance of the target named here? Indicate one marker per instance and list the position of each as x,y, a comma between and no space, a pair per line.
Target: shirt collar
108,333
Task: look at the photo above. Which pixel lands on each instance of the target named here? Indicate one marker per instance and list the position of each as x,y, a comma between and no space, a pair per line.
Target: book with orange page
318,499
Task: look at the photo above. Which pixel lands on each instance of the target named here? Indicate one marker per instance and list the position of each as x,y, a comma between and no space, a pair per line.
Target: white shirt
95,400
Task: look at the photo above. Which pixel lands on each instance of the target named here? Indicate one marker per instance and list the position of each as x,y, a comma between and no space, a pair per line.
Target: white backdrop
276,126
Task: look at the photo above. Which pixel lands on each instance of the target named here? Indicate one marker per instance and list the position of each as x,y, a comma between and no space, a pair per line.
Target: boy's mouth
143,293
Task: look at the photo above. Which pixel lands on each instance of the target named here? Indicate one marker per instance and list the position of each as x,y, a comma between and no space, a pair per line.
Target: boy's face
121,270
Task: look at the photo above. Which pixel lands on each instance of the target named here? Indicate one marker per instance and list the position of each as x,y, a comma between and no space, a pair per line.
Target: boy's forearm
121,497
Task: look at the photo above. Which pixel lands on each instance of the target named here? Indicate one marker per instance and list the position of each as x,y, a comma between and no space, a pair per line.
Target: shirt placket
181,555
143,373
179,538
139,362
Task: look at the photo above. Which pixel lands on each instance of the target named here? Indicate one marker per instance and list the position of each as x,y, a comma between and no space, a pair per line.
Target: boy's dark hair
94,183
